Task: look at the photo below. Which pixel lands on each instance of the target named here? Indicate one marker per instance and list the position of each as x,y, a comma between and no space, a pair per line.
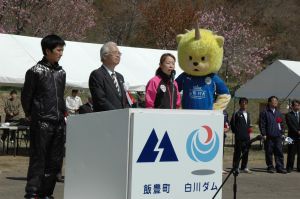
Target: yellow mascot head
200,52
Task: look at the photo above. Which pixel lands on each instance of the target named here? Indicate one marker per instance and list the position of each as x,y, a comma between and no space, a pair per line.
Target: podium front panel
176,154
97,155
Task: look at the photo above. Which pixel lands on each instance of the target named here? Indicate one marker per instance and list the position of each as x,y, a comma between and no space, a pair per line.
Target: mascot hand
222,102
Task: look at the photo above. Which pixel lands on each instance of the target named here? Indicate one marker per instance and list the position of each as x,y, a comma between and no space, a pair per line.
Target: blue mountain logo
149,154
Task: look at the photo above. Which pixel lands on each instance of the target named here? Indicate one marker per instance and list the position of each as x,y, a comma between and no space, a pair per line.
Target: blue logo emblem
199,151
149,154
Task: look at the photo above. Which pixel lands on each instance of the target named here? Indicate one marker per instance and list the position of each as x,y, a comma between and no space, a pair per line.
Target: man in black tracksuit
240,126
44,105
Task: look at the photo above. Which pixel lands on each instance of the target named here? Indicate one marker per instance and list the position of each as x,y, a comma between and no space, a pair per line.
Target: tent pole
291,92
234,99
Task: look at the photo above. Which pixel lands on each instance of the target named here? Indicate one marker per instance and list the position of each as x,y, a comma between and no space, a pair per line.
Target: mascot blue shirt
199,91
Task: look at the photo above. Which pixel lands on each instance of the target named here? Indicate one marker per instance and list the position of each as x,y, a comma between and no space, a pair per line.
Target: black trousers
46,156
240,147
293,149
273,145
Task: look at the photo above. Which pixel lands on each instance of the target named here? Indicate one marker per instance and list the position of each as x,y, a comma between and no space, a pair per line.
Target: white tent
282,79
19,53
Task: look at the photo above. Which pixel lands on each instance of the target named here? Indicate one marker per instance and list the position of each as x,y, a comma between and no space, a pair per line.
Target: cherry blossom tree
67,18
244,49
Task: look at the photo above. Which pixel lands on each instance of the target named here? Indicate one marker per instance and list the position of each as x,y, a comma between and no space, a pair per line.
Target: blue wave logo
202,151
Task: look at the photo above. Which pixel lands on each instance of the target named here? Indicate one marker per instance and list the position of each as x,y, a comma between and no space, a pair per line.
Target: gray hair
105,49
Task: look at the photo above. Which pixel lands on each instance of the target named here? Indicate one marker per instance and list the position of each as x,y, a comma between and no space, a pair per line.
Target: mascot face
200,52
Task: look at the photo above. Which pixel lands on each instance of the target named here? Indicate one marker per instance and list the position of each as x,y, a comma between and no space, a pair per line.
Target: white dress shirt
73,104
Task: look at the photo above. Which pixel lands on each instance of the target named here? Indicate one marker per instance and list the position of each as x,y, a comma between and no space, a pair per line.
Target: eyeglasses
115,53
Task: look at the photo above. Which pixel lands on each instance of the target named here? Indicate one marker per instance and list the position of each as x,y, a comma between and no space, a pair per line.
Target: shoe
246,170
237,171
31,196
59,178
289,170
271,170
281,171
224,172
48,197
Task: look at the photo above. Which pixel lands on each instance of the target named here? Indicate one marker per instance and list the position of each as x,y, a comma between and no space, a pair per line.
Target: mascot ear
179,37
220,41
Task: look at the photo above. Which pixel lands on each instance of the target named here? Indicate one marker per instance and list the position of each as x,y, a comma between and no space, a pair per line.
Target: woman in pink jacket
162,90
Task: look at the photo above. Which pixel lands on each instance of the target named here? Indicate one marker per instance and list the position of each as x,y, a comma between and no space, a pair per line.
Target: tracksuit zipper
55,95
170,94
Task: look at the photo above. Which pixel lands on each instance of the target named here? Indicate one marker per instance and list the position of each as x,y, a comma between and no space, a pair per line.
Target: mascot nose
195,63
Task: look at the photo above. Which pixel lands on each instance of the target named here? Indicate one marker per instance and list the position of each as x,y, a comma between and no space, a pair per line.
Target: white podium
144,154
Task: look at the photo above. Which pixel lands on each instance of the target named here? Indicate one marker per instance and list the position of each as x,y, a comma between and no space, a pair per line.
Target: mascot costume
200,55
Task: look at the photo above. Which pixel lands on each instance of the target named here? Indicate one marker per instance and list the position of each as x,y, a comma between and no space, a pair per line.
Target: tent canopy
19,53
282,79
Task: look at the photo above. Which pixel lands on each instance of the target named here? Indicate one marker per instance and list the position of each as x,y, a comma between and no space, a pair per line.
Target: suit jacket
104,92
85,108
239,125
293,125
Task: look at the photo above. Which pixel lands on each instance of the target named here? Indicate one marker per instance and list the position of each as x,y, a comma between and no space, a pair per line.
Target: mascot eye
190,57
203,58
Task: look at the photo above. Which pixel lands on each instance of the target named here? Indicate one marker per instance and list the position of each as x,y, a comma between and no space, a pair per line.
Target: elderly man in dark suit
293,124
106,85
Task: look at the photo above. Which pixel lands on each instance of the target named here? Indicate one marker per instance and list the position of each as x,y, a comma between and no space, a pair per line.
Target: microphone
173,73
259,137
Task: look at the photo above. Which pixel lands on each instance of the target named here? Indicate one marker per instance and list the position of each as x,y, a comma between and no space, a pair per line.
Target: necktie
297,116
114,77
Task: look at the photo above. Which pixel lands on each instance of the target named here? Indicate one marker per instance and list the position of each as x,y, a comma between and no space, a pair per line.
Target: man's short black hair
272,97
50,42
295,102
243,99
13,92
75,90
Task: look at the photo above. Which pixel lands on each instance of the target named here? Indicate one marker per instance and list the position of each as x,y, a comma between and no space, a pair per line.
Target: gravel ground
258,185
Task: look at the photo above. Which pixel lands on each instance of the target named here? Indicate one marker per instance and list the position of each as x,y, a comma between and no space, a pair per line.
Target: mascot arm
222,102
223,95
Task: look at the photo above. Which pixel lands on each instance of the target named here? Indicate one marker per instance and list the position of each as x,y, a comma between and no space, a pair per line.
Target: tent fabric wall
19,53
282,79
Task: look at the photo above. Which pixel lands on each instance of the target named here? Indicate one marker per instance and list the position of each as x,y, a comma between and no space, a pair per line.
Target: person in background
43,102
226,129
241,128
12,108
141,100
106,85
159,89
87,107
293,124
271,128
73,102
